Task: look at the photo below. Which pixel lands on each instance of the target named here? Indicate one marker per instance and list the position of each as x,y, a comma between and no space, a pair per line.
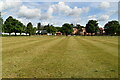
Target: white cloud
23,20
28,13
103,18
75,12
50,12
59,11
92,17
3,13
85,9
12,0
8,5
1,6
56,13
104,5
76,21
62,9
44,23
47,15
56,8
113,12
99,18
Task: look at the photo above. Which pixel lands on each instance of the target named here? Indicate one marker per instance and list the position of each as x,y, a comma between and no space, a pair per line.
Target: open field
60,57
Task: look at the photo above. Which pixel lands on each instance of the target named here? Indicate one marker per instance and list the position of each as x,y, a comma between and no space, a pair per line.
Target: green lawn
60,57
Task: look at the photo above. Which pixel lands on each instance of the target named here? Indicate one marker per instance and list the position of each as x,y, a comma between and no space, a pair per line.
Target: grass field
60,57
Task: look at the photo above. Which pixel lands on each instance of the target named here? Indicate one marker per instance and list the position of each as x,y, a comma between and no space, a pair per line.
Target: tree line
13,25
1,23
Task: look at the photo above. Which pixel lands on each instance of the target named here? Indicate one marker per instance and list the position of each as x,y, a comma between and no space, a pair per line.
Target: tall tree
29,28
13,25
1,23
21,27
92,27
67,29
17,26
111,27
39,27
8,25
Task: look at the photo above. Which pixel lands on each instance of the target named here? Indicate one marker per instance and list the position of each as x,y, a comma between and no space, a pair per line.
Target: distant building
58,33
41,32
83,31
75,30
44,32
101,31
14,34
38,32
49,34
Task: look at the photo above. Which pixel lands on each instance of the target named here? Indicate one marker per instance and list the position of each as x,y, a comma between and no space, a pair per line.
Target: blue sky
57,13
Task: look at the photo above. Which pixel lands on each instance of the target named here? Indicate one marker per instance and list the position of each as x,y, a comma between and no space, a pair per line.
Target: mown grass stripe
99,59
53,59
22,58
113,42
103,47
62,57
25,45
23,41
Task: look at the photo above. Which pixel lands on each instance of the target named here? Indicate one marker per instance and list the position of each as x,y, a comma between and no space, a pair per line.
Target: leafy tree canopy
67,29
29,28
51,29
92,26
112,27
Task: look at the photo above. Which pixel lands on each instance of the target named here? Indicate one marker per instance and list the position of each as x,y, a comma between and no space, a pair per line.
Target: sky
58,13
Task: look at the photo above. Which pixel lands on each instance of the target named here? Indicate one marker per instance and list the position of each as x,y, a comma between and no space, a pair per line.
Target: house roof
58,32
101,28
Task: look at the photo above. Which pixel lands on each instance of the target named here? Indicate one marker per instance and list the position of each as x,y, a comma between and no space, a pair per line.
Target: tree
34,30
38,28
67,29
58,29
51,29
29,28
18,27
13,25
7,28
79,27
46,26
1,23
112,27
22,28
118,30
92,27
